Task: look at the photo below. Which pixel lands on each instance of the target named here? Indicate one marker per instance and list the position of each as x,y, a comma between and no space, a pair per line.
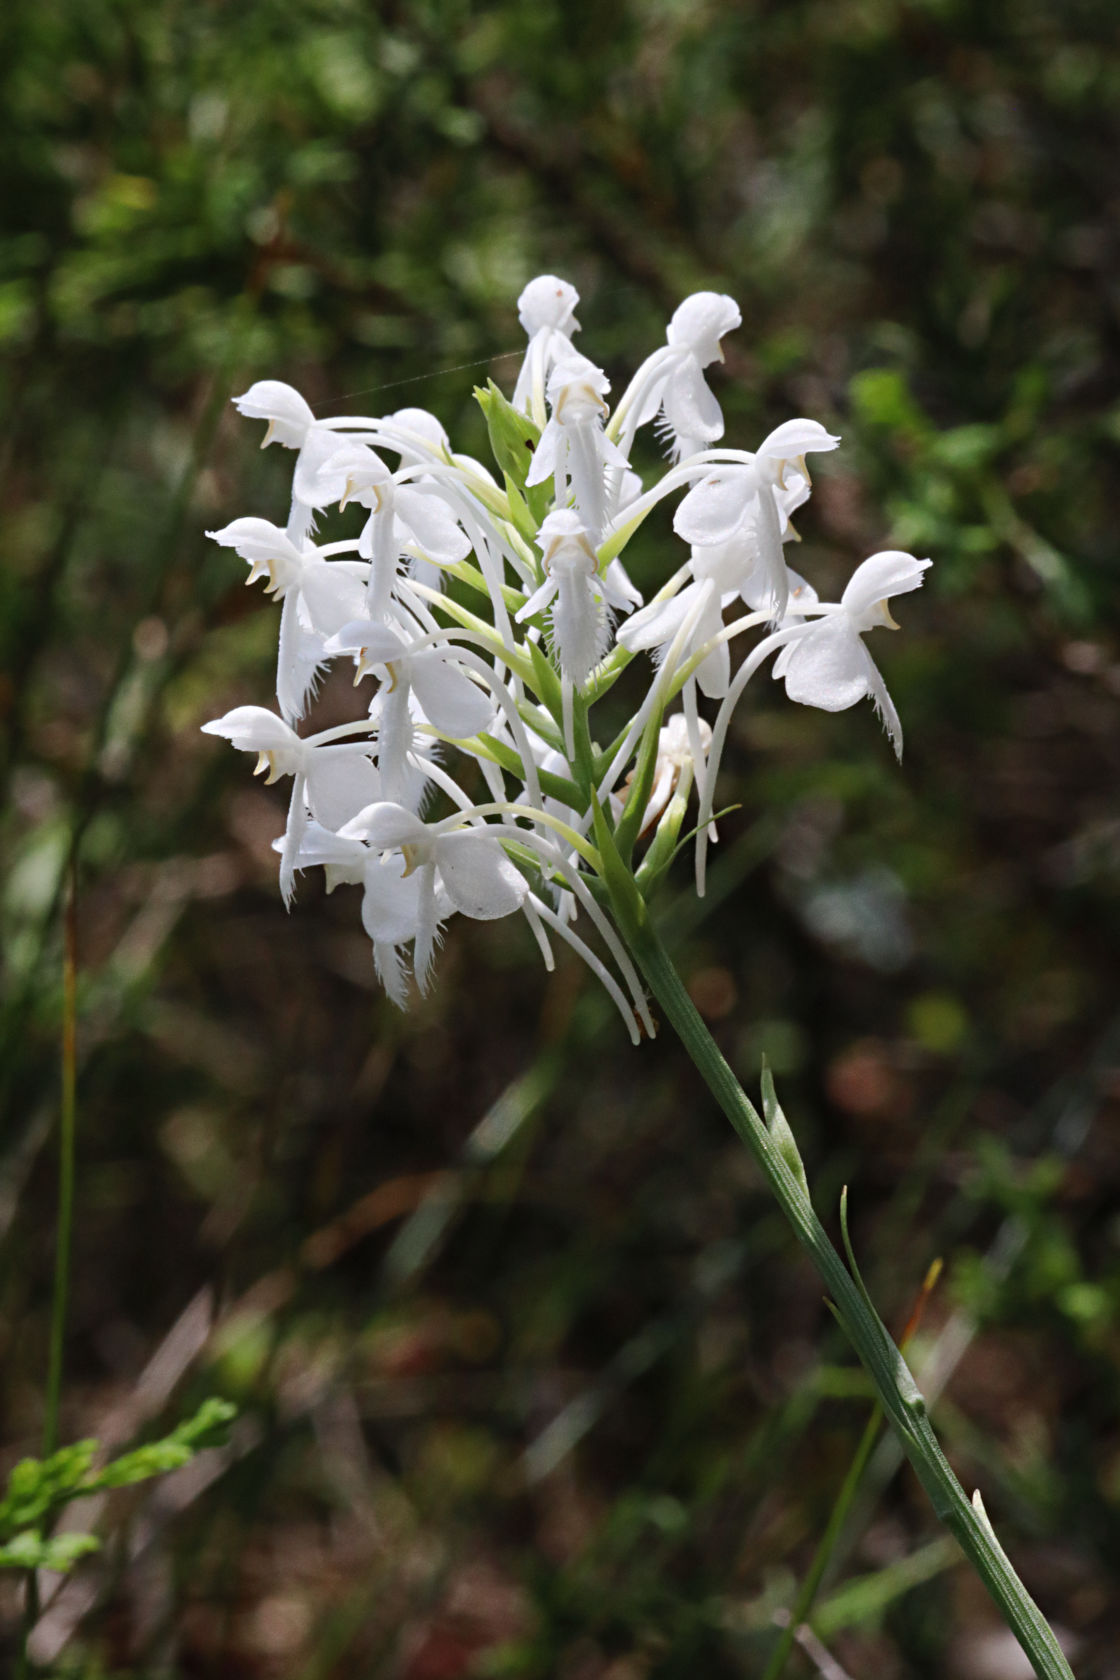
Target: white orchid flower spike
492,606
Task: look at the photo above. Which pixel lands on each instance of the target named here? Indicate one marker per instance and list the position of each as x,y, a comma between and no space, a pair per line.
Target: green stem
898,1393
66,1150
67,1131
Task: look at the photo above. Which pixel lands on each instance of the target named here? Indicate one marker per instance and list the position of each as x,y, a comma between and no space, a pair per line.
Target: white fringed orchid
502,666
547,311
578,599
455,868
484,603
333,780
289,416
400,513
827,665
422,668
671,383
752,502
675,767
574,449
318,597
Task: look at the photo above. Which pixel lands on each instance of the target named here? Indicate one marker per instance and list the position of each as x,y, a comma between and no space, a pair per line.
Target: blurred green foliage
40,1489
533,1382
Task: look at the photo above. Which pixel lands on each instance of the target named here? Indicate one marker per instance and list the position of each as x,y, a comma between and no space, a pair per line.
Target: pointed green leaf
779,1128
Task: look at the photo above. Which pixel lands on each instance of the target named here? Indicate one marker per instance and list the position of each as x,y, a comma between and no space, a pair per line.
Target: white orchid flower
656,627
400,512
292,424
671,382
335,780
573,446
827,664
390,897
723,573
318,597
676,764
447,697
546,310
288,414
754,500
580,600
464,869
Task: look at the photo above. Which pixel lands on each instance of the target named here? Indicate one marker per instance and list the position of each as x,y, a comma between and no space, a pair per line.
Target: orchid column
489,612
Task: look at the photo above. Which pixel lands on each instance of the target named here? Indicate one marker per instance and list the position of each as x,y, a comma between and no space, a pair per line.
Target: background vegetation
531,1379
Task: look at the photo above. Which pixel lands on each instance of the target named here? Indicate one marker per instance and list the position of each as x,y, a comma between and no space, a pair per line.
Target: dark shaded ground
532,1381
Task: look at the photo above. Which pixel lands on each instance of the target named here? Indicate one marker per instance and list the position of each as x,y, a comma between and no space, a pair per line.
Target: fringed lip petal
390,902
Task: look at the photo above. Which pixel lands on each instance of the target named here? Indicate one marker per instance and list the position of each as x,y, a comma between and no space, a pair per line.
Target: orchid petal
794,438
718,507
258,541
387,826
690,408
548,302
332,593
289,416
827,667
391,900
341,781
433,525
451,701
657,624
253,729
891,572
700,322
481,881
